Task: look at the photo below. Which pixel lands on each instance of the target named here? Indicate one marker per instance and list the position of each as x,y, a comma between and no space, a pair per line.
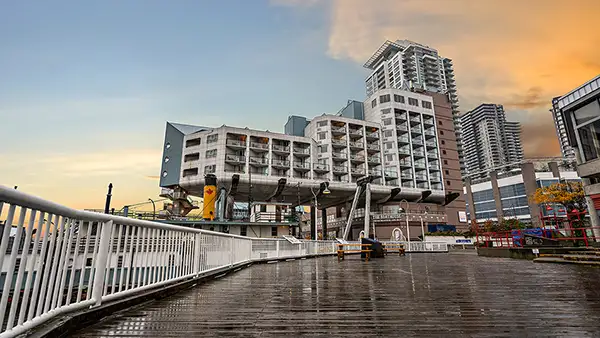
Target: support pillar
324,222
313,222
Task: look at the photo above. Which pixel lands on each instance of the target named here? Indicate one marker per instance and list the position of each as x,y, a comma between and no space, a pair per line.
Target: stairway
589,257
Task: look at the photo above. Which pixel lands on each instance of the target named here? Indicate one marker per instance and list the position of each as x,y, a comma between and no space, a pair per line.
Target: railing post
277,248
197,253
101,262
231,250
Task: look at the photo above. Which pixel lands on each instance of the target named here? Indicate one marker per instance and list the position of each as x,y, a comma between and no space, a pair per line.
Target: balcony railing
355,132
406,163
282,148
235,158
434,167
320,167
403,139
373,134
415,131
390,174
423,185
375,172
417,141
401,127
436,178
432,154
258,145
237,143
420,165
358,158
421,177
358,171
415,119
340,130
431,144
301,165
340,169
305,151
373,147
280,163
404,151
428,122
401,117
429,132
235,170
338,142
339,155
373,159
417,152
356,144
406,175
259,160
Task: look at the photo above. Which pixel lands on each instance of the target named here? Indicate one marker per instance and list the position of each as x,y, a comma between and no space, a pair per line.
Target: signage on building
464,241
462,216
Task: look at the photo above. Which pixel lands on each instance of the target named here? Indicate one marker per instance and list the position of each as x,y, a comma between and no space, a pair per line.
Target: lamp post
407,224
324,192
153,208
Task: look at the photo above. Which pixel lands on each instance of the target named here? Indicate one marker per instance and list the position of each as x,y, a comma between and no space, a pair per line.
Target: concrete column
530,182
554,169
470,198
324,222
496,191
313,222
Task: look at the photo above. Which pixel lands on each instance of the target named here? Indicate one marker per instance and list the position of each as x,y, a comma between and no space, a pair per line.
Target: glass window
387,122
413,102
212,138
586,113
512,190
515,202
211,153
322,124
426,104
589,136
546,183
388,133
274,231
384,98
398,98
389,145
193,142
483,206
374,103
322,136
244,230
483,195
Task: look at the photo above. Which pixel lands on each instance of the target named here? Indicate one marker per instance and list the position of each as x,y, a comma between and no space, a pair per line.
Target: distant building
561,131
490,140
506,192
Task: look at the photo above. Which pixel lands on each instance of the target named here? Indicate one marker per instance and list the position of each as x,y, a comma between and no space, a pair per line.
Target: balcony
320,167
280,148
357,171
338,130
408,184
302,152
404,151
259,172
416,130
400,116
431,144
374,135
435,177
373,159
373,147
406,175
434,167
357,158
235,159
428,121
259,161
375,172
420,165
280,163
338,143
356,145
236,170
390,175
423,185
418,152
429,133
415,119
432,155
339,156
236,144
402,127
355,132
302,166
340,169
406,163
417,141
257,146
403,139
420,177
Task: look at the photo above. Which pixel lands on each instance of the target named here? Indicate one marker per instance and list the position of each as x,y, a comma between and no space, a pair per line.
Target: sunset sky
87,86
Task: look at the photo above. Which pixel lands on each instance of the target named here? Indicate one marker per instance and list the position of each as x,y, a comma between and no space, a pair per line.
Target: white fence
410,247
56,260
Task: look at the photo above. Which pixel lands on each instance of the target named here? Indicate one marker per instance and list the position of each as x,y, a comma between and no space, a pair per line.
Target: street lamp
153,209
407,225
324,192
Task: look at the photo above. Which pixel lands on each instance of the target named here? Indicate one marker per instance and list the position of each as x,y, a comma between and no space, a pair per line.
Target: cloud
516,53
153,177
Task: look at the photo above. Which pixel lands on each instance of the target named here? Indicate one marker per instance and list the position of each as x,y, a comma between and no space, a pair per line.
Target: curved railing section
56,260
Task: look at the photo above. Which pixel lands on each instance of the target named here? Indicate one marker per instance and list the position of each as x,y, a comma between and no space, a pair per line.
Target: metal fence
55,260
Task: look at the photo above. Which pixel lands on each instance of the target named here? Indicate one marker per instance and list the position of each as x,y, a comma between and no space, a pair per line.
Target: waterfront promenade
425,295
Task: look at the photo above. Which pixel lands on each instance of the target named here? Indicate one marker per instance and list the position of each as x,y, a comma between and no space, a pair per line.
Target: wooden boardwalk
424,295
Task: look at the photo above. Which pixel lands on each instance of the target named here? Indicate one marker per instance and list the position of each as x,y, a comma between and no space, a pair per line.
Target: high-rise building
561,131
405,64
489,140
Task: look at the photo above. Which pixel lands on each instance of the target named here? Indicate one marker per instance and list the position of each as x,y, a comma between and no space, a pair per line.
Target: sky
87,86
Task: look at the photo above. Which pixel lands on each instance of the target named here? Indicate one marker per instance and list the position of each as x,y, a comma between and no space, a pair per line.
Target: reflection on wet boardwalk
447,295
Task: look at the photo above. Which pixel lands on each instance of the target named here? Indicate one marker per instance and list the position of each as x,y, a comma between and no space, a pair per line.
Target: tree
568,194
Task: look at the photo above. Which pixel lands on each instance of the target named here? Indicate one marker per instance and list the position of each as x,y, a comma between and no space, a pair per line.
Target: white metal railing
80,259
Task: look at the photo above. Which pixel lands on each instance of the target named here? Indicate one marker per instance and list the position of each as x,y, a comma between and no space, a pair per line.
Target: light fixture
326,191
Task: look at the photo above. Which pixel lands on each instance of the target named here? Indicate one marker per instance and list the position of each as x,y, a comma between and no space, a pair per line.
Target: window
386,111
193,142
120,262
398,98
589,136
210,169
322,124
244,230
274,231
483,195
374,103
446,172
512,190
426,104
445,161
387,122
413,102
441,132
322,136
88,262
389,145
447,182
440,122
191,157
211,153
388,133
263,208
389,158
384,98
190,172
323,148
212,138
443,142
443,151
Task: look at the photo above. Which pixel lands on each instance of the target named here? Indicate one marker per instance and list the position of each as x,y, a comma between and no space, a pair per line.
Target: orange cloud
512,52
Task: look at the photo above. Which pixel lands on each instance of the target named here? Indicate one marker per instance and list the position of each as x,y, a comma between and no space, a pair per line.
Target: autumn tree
568,194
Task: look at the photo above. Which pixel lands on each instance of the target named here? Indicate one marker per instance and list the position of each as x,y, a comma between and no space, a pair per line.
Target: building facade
580,112
505,194
561,131
489,140
405,64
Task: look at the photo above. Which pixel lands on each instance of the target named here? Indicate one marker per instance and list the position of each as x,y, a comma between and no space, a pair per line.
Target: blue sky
87,86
